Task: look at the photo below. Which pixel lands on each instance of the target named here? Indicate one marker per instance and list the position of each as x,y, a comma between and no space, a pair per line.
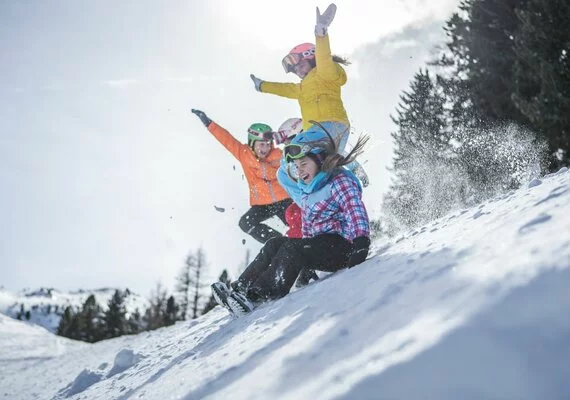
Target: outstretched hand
203,117
324,20
257,82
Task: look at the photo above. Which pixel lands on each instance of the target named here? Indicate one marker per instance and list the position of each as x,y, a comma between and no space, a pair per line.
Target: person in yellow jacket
260,161
318,93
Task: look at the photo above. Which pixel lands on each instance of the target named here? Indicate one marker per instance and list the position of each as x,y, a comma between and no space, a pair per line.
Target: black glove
203,117
360,246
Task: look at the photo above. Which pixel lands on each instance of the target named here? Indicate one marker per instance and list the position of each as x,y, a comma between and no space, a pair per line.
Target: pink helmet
288,129
304,51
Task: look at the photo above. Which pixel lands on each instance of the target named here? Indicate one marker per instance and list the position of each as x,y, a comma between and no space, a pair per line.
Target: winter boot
305,277
238,286
239,304
221,293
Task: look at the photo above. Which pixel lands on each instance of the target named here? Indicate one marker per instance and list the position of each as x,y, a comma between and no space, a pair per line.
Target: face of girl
262,148
302,68
307,169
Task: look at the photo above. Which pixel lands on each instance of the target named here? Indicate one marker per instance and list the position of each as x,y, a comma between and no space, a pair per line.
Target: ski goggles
254,135
292,59
295,151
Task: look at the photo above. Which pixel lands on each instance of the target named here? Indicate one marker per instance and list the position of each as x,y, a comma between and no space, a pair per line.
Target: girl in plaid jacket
335,228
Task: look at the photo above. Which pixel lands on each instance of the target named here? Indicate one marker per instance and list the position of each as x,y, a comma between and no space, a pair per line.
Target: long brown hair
336,59
341,60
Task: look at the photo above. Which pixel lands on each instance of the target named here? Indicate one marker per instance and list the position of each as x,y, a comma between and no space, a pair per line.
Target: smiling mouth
305,177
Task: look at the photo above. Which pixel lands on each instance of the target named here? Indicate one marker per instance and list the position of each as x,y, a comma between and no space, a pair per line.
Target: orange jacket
261,174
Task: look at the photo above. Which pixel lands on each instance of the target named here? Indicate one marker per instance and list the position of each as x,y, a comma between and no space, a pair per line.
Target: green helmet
259,131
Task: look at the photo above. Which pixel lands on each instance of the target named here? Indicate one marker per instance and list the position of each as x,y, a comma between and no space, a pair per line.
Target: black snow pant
274,271
252,221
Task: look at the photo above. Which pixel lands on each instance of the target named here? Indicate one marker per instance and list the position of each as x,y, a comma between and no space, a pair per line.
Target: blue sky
108,180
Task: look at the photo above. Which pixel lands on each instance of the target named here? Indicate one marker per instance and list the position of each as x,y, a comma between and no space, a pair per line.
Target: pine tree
480,58
69,325
65,322
422,145
135,323
155,315
196,291
20,313
171,314
115,320
542,72
189,285
183,285
91,317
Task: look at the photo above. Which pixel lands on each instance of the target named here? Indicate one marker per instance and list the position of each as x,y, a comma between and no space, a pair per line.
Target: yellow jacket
319,92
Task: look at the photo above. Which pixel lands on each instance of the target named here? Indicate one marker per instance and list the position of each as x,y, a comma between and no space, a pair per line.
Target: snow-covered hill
45,306
471,306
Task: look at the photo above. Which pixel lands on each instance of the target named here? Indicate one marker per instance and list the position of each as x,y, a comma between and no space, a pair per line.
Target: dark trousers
252,221
274,271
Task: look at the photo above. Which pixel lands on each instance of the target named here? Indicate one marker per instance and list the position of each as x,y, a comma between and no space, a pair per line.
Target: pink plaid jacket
336,208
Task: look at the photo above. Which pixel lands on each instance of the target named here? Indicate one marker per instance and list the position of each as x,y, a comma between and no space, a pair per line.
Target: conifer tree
480,58
542,72
171,314
189,285
115,320
69,324
155,314
422,144
91,318
183,285
135,323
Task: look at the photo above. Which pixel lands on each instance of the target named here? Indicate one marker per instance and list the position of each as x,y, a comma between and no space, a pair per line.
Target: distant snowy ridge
45,306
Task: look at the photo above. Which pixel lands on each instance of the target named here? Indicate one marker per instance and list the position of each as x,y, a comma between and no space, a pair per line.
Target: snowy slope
23,340
46,306
471,306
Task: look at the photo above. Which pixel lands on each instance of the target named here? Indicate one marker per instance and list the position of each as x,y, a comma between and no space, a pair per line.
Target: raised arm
290,90
233,145
326,67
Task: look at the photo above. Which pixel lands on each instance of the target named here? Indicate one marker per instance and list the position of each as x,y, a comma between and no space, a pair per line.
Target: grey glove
257,82
360,247
203,117
324,20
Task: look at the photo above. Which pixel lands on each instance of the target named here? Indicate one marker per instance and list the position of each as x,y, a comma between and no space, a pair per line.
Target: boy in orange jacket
260,162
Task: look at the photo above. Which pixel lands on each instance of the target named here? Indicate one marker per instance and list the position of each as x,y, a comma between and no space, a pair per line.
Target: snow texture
473,305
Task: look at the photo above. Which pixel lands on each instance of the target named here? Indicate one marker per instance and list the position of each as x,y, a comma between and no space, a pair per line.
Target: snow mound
85,379
21,341
124,359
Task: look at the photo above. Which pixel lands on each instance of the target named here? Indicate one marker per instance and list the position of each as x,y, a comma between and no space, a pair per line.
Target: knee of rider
293,250
244,222
272,245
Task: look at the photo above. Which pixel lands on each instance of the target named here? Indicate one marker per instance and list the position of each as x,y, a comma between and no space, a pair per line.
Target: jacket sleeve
326,68
290,90
346,193
233,145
